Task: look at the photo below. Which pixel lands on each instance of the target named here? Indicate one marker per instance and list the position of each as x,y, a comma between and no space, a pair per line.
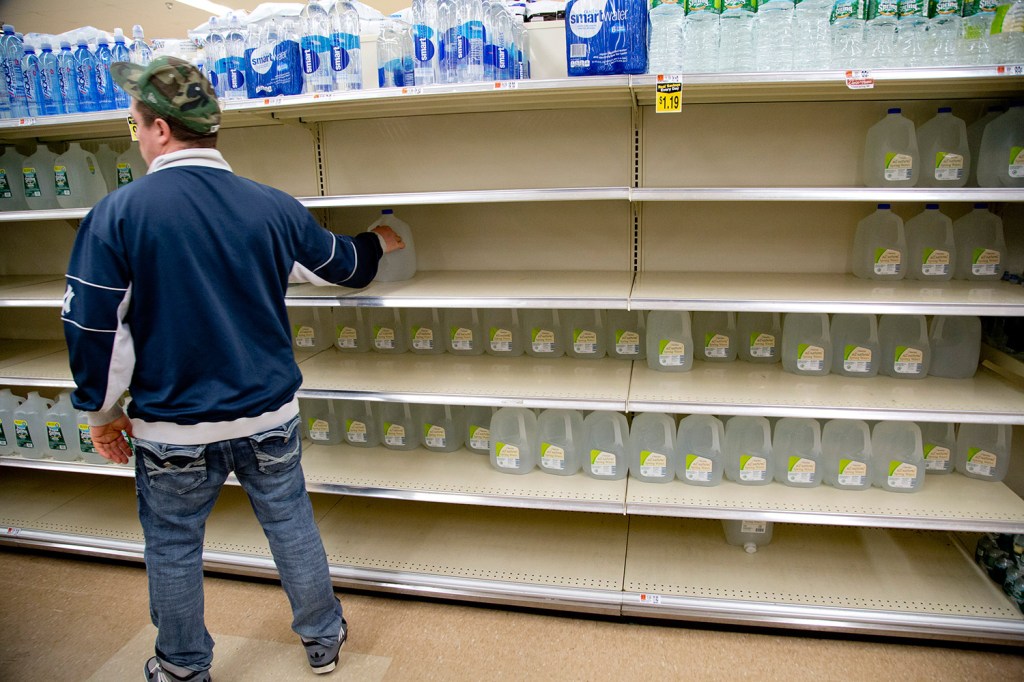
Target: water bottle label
552,457
384,338
85,439
810,358
542,340
887,261
762,345
479,437
898,166
355,431
716,346
3,434
22,435
5,185
507,456
627,342
603,463
394,434
949,166
972,7
671,353
936,457
849,9
60,181
423,338
348,337
1016,169
755,527
653,464
902,474
55,436
913,8
753,468
698,468
501,340
462,338
584,341
883,8
857,359
319,429
124,174
935,262
852,472
434,436
800,470
908,360
32,188
946,8
312,46
305,337
985,262
748,5
694,6
981,462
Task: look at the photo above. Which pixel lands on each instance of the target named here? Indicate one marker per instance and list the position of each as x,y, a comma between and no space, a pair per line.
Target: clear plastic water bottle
944,31
891,156
665,37
522,42
8,403
33,88
1007,34
955,342
931,250
11,52
425,45
913,33
974,31
390,67
773,35
448,41
67,78
1001,153
796,445
120,53
880,34
139,51
316,49
847,20
85,76
346,63
52,102
846,449
470,47
980,245
408,58
939,444
513,442
105,99
736,36
812,35
652,448
898,456
700,36
499,38
213,51
906,352
945,151
234,55
748,451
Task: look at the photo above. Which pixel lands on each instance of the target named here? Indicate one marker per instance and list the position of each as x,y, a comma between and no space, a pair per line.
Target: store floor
80,619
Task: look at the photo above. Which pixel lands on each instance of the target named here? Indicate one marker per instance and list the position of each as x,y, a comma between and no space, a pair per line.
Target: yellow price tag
133,128
668,97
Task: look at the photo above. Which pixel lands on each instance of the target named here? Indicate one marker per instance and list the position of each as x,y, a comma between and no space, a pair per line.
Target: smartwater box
604,37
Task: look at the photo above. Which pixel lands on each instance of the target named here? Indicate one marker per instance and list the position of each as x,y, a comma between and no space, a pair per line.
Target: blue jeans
177,486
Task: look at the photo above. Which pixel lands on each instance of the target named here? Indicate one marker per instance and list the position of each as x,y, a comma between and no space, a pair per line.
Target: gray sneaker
324,658
157,673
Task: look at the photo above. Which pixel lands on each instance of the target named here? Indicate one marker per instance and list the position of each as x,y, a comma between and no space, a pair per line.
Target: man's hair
178,131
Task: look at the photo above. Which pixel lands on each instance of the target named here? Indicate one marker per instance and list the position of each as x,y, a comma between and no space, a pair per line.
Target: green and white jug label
319,429
501,340
936,457
5,185
383,337
671,353
716,345
698,468
31,178
542,340
711,6
627,342
355,431
653,464
852,472
801,470
61,185
462,338
762,345
934,262
55,436
124,174
305,336
810,358
913,8
1016,169
584,341
85,439
883,8
986,262
348,337
908,360
846,9
479,437
898,167
603,463
3,434
981,462
552,457
423,338
887,261
902,474
946,8
948,166
394,434
22,434
754,527
435,436
507,455
753,468
856,359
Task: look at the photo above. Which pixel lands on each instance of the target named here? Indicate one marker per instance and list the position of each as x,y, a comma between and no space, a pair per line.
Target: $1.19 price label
668,97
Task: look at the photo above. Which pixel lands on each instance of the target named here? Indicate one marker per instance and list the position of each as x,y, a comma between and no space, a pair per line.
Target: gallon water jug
652,448
129,166
504,332
975,131
983,451
77,178
906,353
464,331
748,451
387,331
891,157
1001,157
747,534
980,247
560,440
669,341
321,420
759,336
627,334
38,180
955,342
855,348
62,429
361,426
796,446
544,334
426,330
938,441
847,455
12,187
478,428
106,159
605,443
399,426
8,404
351,329
806,344
30,426
513,447
311,328
931,251
898,456
700,440
398,265
442,427
85,444
716,332
945,154
586,331
880,246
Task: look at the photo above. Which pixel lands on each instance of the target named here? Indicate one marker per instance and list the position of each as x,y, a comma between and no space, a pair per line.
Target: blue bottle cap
945,110
981,205
8,29
932,207
885,206
387,211
895,110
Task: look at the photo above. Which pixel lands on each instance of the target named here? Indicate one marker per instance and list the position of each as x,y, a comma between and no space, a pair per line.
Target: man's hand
392,242
110,442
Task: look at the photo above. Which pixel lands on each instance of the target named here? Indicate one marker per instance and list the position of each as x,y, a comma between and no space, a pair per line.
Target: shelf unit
584,199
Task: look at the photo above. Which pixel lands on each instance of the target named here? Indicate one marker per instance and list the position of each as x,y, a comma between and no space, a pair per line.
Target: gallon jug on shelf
806,344
351,329
30,426
360,424
387,331
906,353
478,428
759,336
12,186
605,438
543,331
898,456
425,329
320,421
938,441
891,157
85,444
38,179
880,246
464,331
627,334
399,426
945,153
129,166
513,448
980,246
8,404
106,161
504,333
669,341
975,131
652,448
398,265
716,332
441,427
796,446
77,179
699,443
62,429
750,535
983,451
586,332
311,328
855,348
748,451
931,251
955,343
560,441
846,450
1001,156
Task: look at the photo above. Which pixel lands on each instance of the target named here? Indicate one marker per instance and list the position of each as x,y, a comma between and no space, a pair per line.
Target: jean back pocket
278,449
175,469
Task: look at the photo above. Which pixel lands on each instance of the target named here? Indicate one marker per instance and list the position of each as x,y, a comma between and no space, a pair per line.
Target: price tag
12,531
412,91
26,121
1011,70
652,599
506,85
859,80
668,95
133,128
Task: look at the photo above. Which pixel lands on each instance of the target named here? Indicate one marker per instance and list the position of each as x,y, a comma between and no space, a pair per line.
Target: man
176,292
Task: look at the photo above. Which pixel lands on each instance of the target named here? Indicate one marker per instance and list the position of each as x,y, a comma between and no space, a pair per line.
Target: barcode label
578,50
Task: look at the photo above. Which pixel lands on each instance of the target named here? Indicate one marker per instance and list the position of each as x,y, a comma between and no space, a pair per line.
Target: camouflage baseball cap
174,88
